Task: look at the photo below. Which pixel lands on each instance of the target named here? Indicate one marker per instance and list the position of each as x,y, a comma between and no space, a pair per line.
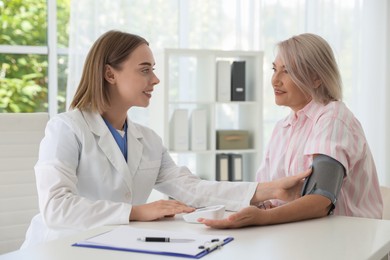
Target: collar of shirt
310,111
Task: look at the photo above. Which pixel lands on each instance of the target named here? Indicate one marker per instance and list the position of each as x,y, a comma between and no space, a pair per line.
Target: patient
307,80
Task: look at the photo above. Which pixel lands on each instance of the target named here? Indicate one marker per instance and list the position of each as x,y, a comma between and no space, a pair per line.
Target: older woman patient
306,79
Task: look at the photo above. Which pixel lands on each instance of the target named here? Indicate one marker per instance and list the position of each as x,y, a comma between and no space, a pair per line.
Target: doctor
96,167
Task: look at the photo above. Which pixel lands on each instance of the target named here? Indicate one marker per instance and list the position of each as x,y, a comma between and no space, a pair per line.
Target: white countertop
333,237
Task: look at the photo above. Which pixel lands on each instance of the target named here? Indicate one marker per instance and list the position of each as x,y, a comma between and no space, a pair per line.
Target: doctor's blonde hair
309,59
112,48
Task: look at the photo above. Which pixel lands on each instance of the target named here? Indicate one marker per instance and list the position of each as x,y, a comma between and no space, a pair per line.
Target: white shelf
190,83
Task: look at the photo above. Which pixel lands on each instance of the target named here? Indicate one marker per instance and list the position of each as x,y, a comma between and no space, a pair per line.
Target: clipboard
126,238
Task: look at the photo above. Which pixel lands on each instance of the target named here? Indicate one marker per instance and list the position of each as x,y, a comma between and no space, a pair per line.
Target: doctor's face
133,83
286,91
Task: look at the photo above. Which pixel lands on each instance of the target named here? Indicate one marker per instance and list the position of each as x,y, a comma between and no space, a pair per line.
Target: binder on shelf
179,132
235,167
125,238
223,81
222,169
198,130
238,81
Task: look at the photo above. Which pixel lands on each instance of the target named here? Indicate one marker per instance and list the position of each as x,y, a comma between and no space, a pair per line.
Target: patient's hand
248,216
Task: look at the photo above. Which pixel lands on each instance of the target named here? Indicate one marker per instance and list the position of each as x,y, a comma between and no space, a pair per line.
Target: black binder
238,81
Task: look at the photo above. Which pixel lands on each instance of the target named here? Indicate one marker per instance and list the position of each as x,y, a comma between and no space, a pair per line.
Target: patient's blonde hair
308,57
112,48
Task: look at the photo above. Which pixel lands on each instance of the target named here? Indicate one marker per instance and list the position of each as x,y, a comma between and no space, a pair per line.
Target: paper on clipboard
125,238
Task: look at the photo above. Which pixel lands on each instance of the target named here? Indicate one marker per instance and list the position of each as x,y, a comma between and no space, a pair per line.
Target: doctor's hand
286,189
158,209
249,216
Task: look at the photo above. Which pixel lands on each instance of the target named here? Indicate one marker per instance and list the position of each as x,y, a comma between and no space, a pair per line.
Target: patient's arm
307,207
319,197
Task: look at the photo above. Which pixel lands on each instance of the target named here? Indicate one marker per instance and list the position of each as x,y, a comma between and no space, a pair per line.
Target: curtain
357,30
371,81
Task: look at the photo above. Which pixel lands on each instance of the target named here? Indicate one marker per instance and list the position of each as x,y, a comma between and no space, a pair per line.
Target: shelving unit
190,83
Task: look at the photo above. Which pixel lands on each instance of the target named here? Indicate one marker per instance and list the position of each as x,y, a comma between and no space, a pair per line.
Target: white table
332,237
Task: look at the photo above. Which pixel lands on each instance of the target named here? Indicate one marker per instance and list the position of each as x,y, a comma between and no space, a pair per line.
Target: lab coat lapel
134,147
108,145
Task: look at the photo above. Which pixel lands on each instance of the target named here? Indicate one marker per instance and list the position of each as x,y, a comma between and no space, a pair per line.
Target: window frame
51,50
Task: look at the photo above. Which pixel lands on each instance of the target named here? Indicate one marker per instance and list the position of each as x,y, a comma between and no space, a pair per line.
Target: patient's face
286,91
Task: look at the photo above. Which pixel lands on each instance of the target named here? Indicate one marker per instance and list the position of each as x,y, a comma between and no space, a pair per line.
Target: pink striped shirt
334,131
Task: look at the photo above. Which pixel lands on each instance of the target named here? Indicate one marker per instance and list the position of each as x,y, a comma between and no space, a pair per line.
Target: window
33,55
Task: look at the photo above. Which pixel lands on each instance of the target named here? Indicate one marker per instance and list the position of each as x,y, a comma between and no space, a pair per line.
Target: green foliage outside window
23,86
23,77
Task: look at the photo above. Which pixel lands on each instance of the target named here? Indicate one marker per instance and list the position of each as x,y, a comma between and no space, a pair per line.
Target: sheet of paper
126,237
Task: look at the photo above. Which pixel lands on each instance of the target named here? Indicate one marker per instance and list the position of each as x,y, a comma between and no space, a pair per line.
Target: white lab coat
83,180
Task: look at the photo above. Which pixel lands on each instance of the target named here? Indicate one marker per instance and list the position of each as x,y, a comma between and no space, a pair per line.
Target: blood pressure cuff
326,178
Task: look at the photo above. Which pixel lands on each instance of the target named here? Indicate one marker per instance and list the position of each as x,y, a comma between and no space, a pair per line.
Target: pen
165,239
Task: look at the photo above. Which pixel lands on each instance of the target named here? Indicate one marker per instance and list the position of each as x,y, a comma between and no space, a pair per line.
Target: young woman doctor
96,167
